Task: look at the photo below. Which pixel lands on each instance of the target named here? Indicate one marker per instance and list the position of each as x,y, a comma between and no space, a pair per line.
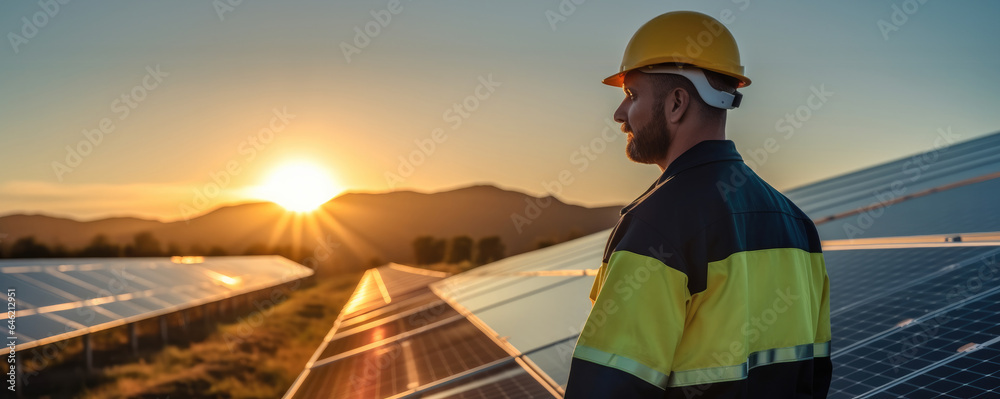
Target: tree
461,249
545,243
217,251
100,247
428,250
27,247
143,244
489,249
197,250
173,249
257,248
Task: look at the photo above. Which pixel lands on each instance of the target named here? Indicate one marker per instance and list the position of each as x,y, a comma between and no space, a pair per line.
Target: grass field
257,356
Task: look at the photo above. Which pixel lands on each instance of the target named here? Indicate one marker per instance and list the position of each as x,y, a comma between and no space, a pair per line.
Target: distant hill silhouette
358,226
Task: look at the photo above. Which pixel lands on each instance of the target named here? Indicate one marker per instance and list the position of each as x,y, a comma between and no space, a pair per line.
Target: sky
168,109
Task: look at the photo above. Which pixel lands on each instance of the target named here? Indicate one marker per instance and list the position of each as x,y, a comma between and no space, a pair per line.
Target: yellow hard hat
682,37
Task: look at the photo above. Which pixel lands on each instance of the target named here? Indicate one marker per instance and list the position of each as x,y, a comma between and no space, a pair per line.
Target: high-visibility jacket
713,285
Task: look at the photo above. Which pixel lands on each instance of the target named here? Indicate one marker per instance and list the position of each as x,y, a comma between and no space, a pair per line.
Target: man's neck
684,140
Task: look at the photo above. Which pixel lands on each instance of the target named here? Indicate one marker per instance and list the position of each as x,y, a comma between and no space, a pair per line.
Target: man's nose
620,113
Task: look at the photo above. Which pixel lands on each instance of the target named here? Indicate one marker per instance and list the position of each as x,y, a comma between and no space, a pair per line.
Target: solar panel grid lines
506,381
868,273
464,381
365,295
486,329
422,312
913,348
540,376
382,285
975,374
342,326
395,310
916,303
441,353
64,298
919,304
334,352
421,294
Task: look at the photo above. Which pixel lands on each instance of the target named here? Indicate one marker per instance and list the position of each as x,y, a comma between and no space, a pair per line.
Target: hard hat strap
711,96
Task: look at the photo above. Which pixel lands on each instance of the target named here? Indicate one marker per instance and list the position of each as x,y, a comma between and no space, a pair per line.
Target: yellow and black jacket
713,285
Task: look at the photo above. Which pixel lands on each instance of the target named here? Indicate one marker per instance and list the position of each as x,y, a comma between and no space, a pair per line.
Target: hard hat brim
616,80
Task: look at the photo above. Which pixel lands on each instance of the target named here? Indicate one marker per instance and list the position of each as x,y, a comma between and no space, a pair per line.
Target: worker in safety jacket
713,283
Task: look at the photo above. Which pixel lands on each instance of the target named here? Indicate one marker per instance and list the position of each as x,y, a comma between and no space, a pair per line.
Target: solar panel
403,364
898,302
957,210
859,275
358,338
554,360
936,337
527,325
507,381
380,286
975,375
62,298
414,303
935,168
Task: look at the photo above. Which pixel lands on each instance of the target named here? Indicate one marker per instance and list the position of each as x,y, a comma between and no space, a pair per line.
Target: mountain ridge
357,227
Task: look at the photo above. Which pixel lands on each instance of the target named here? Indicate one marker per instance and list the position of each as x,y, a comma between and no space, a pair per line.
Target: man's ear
678,103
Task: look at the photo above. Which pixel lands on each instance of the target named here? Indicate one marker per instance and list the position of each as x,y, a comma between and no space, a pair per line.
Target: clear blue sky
224,77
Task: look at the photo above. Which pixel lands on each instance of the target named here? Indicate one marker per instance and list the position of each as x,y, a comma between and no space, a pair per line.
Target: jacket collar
704,152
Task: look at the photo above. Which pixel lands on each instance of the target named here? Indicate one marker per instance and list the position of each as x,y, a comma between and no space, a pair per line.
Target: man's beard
648,143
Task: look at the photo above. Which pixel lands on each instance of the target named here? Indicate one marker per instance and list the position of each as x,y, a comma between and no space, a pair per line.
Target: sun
298,186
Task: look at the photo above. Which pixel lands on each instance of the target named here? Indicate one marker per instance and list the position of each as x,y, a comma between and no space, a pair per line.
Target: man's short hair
664,82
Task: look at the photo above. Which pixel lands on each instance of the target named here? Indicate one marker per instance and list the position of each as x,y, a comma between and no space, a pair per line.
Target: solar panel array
63,298
397,338
914,316
915,299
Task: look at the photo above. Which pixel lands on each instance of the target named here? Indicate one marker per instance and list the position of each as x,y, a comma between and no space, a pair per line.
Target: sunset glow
298,187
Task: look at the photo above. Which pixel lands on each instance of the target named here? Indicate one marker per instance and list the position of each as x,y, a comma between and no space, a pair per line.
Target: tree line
143,244
429,250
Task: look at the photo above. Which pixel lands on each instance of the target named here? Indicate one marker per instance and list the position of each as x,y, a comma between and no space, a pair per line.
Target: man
713,283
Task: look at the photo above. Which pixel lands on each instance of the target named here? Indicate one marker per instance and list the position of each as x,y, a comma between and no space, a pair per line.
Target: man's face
643,119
